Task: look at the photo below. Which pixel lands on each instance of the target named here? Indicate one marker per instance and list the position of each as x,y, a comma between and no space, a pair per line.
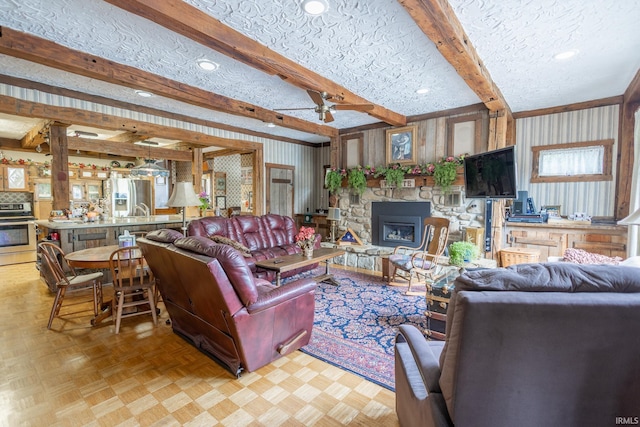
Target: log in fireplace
398,223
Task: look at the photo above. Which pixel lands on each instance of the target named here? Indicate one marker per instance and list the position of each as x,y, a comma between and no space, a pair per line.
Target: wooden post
258,181
196,169
59,165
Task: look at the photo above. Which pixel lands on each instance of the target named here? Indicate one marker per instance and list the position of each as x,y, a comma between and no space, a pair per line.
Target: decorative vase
308,252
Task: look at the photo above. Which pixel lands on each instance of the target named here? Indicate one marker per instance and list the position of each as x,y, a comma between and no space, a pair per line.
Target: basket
513,256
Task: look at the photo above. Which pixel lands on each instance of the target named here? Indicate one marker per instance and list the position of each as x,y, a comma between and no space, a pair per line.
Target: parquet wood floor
78,375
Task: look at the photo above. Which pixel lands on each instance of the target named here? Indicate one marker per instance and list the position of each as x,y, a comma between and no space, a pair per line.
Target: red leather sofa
265,237
217,304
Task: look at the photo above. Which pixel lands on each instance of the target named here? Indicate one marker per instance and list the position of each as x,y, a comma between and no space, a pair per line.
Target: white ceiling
373,48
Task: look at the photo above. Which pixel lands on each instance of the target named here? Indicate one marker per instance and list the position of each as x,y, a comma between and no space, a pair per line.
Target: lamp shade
333,214
183,195
633,219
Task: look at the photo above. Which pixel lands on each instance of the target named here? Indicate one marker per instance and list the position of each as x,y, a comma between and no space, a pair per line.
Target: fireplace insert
398,223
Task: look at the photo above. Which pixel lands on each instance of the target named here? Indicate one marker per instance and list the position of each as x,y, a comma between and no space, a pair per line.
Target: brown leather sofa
265,237
530,345
216,303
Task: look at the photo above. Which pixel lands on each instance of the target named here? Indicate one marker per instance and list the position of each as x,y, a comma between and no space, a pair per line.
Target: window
572,162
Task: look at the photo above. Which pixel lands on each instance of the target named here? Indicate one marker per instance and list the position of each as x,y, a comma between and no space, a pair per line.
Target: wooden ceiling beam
35,135
189,21
129,137
18,107
438,21
48,53
126,150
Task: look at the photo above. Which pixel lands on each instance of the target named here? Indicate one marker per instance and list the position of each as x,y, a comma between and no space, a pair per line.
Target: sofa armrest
426,355
282,294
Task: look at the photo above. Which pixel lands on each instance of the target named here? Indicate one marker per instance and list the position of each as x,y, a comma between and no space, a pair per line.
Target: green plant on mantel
461,252
394,175
357,180
333,180
445,172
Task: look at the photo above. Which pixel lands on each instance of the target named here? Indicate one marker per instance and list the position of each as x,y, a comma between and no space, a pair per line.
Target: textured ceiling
373,48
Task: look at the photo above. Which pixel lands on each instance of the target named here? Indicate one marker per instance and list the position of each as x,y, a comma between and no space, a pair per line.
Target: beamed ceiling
270,53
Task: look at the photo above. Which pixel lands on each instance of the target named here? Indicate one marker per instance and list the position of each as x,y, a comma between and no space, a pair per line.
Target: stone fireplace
398,223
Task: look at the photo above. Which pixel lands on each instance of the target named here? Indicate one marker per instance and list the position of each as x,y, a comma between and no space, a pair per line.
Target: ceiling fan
324,111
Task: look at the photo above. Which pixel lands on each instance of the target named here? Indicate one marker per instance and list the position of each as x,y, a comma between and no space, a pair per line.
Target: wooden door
280,189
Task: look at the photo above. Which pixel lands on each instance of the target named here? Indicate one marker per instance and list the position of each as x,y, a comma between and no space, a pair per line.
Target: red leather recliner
217,304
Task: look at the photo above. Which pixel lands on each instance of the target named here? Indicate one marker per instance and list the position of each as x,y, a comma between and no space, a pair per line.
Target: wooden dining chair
424,260
65,278
133,285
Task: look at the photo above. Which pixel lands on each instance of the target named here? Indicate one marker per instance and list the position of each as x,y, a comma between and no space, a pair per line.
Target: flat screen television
491,175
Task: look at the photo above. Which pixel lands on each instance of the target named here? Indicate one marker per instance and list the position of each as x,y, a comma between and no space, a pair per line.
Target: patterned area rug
356,324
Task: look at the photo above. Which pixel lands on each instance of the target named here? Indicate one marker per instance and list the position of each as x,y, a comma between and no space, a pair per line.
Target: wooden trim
626,147
604,102
607,162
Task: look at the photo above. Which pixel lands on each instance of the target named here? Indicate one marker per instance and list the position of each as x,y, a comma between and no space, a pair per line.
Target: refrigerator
128,193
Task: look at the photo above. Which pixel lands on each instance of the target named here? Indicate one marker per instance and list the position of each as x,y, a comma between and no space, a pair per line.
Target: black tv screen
491,175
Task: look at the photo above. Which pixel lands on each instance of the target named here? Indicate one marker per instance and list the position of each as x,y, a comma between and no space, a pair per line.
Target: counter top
575,225
112,222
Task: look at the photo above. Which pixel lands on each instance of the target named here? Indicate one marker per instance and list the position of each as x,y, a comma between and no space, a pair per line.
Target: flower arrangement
394,174
306,237
204,200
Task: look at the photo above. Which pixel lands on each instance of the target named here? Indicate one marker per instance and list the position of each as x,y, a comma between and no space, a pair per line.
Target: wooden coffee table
291,262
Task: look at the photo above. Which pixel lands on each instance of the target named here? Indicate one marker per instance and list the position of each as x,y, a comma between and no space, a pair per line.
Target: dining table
98,258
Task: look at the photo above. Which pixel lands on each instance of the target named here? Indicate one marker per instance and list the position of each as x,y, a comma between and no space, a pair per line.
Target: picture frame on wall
220,183
401,145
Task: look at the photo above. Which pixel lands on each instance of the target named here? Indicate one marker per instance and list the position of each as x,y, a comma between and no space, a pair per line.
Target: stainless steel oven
17,233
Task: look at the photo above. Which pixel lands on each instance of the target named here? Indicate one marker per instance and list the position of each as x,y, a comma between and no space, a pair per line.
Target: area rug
356,323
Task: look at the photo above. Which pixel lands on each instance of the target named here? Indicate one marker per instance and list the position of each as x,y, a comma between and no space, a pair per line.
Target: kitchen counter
112,222
75,235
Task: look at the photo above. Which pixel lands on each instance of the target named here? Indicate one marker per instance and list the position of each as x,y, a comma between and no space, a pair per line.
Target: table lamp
182,196
333,216
633,238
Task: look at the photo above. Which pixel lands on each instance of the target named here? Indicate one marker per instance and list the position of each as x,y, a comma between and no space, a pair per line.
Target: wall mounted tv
491,175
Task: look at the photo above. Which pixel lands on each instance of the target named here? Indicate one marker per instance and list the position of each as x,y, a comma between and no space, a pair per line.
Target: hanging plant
445,172
357,180
333,180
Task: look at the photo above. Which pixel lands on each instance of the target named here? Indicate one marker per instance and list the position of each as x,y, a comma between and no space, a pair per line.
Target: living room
58,73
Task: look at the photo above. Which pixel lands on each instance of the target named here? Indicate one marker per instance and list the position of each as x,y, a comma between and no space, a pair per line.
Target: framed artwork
246,176
220,183
221,202
401,145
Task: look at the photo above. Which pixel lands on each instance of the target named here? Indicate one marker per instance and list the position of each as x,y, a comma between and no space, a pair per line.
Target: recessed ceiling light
565,55
144,93
207,65
315,7
270,125
422,91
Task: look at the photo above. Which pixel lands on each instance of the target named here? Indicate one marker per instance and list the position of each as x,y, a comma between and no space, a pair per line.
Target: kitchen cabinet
14,178
85,190
553,240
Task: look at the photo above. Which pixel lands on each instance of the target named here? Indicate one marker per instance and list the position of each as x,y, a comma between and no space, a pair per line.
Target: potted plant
445,172
461,252
357,180
333,180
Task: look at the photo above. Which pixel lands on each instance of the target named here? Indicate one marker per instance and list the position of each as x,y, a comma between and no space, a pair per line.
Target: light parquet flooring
78,375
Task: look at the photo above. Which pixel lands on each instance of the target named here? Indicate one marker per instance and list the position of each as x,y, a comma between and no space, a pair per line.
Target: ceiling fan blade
328,117
316,97
294,109
356,107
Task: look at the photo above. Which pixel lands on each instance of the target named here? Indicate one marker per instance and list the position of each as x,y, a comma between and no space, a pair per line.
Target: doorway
280,189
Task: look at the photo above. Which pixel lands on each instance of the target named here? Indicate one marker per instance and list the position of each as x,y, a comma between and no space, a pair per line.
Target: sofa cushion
164,235
551,277
254,233
236,245
580,256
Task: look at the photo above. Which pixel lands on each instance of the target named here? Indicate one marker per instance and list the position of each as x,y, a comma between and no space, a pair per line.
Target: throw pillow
236,245
580,256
